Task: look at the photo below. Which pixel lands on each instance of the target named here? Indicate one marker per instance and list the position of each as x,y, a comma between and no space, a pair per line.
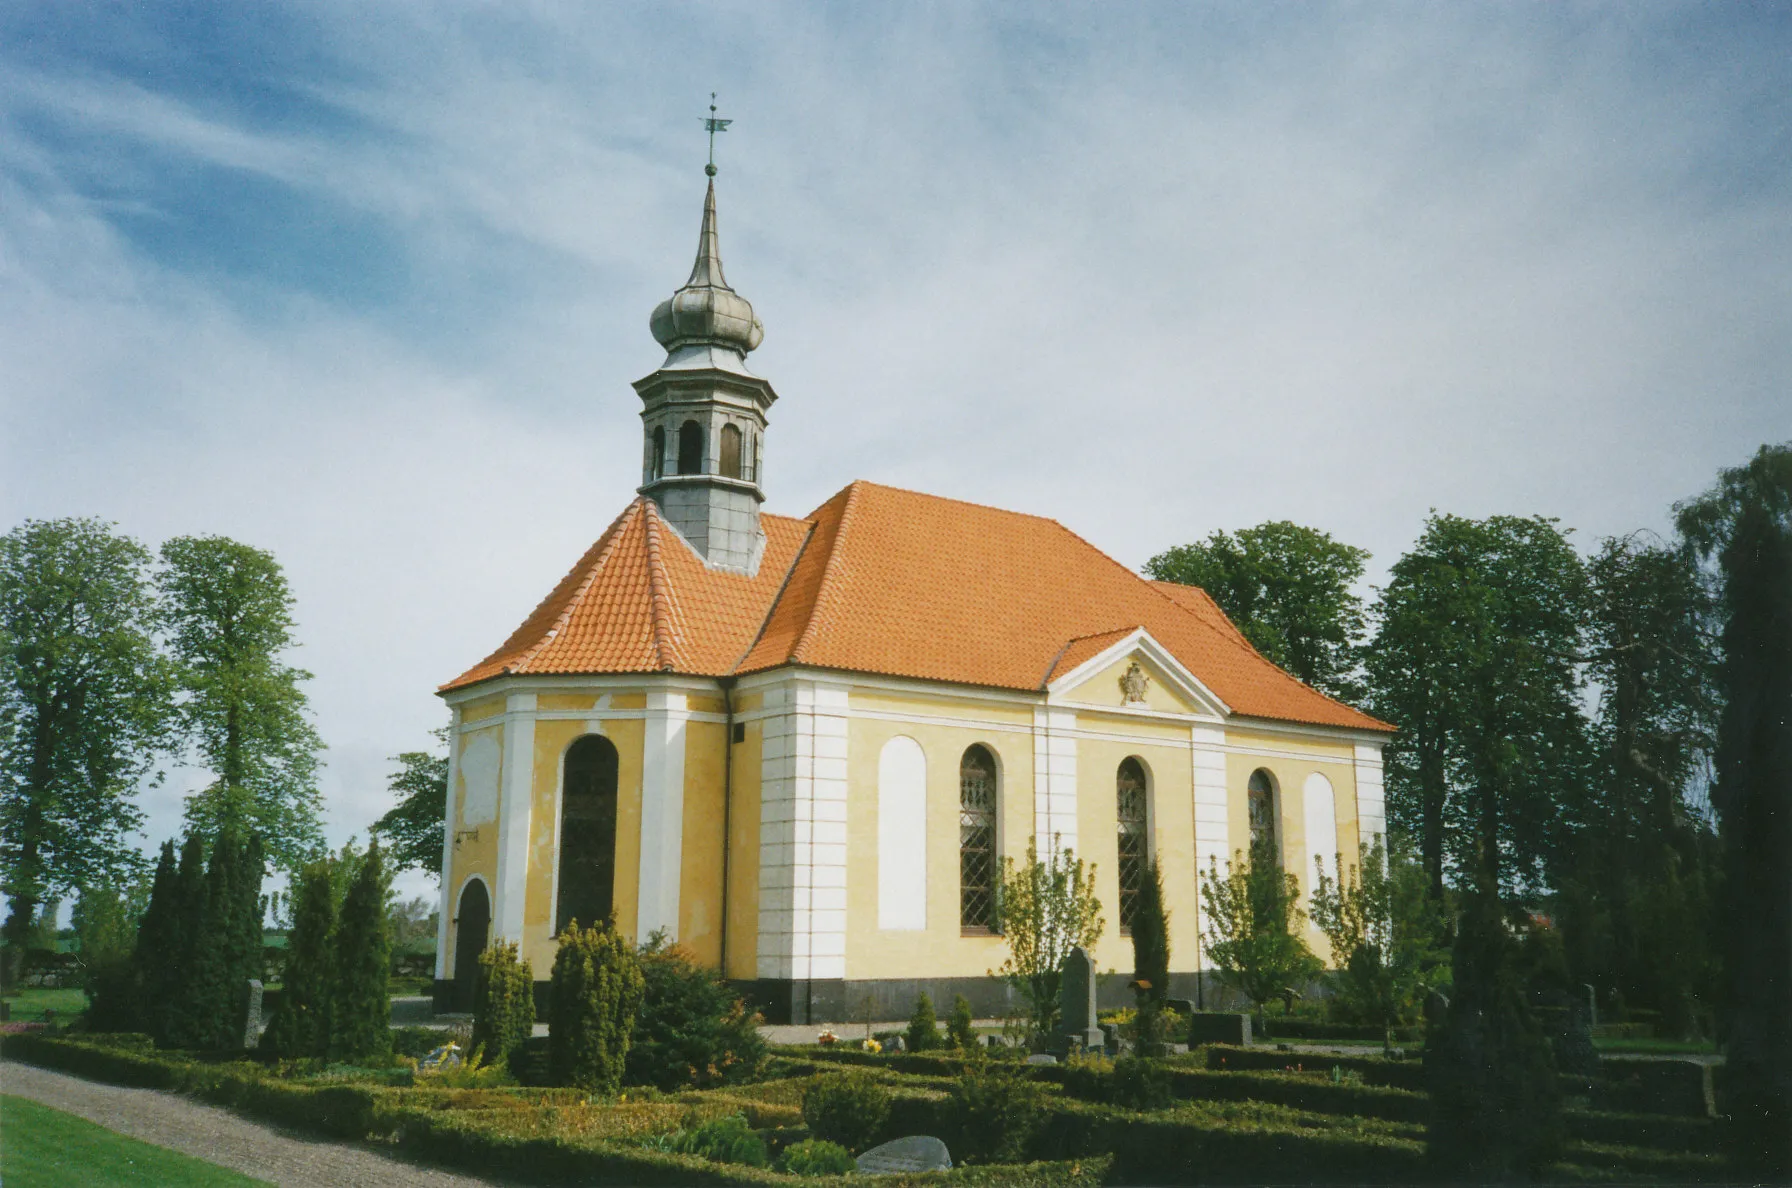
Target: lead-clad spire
705,311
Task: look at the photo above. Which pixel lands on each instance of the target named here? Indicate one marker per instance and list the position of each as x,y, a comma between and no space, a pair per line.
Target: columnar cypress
923,1025
503,1003
1150,958
152,961
361,1009
597,988
182,1022
301,1027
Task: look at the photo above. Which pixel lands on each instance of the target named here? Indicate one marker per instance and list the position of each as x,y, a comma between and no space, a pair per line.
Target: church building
800,746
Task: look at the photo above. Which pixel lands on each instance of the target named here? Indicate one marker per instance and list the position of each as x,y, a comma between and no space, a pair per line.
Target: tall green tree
1634,896
182,1018
83,709
1288,588
1044,909
1743,526
227,617
1252,919
413,827
1475,658
361,1006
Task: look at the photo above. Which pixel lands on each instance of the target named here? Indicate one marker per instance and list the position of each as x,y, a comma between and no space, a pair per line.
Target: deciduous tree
83,709
1387,935
1288,588
1044,909
227,617
1253,924
413,827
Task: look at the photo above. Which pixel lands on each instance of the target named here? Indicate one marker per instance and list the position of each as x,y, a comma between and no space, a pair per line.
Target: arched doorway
472,928
587,834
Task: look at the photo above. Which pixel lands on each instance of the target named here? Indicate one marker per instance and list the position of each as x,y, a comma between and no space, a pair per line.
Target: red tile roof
881,580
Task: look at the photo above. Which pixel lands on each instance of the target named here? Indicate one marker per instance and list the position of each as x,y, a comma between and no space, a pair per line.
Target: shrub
723,1140
360,1006
503,1002
301,1025
691,1029
960,1029
1140,1085
923,1029
816,1157
597,990
998,1111
846,1108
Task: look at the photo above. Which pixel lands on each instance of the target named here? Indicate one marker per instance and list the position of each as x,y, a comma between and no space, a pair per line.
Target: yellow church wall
1172,831
565,701
1173,734
623,701
478,711
1321,748
706,705
700,869
1103,688
552,738
746,703
743,862
940,949
471,855
943,707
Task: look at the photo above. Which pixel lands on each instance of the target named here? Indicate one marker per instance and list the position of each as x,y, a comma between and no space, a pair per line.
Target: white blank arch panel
902,836
1322,824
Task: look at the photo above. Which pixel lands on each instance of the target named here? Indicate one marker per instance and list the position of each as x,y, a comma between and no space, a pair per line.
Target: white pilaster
513,817
662,814
1371,799
1213,823
447,910
1054,779
802,831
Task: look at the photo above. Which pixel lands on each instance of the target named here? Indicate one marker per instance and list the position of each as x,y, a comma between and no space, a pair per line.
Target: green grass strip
46,1148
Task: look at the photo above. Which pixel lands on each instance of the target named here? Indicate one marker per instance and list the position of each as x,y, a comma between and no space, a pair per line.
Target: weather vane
713,125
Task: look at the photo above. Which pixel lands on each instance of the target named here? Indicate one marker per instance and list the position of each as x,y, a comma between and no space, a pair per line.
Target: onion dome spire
705,312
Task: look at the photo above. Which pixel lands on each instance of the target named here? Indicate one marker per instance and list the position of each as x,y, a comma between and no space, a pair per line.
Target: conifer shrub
816,1157
998,1111
848,1108
597,990
1151,962
158,940
923,1028
503,1004
360,1005
691,1030
178,1019
961,1031
228,953
301,1026
1495,1101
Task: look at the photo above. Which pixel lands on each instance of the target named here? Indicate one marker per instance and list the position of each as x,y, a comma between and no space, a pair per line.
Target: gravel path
219,1136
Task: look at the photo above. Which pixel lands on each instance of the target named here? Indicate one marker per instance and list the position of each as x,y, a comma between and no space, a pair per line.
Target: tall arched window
658,467
587,833
690,448
977,840
1130,813
730,460
1262,798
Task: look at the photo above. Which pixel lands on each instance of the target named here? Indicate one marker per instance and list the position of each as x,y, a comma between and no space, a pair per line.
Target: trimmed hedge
1375,1070
1315,1029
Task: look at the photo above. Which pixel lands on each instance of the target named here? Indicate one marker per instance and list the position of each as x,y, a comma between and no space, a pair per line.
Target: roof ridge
618,528
659,596
1006,511
824,588
771,608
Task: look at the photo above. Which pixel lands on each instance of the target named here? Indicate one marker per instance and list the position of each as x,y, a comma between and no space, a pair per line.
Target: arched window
1130,813
690,448
587,834
657,467
977,841
1262,799
731,451
749,469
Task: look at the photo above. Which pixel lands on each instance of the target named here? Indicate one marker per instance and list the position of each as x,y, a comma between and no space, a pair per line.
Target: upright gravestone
1076,1002
251,1013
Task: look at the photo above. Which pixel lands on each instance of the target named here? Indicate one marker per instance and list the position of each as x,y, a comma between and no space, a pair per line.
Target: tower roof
705,312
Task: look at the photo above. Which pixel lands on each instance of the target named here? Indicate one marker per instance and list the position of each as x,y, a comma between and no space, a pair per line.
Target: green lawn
28,1005
42,1146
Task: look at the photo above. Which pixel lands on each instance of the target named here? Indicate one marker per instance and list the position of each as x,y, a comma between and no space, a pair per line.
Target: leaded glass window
1129,811
977,840
1262,800
588,834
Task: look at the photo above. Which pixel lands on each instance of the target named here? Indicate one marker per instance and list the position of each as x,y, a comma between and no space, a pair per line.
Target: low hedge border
1315,1029
1375,1070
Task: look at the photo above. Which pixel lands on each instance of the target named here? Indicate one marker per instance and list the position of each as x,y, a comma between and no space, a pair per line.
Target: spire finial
713,125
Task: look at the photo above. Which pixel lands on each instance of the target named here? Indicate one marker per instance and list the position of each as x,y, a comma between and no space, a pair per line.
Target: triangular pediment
1127,669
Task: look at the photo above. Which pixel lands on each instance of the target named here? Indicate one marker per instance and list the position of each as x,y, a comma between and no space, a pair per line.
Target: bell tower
703,412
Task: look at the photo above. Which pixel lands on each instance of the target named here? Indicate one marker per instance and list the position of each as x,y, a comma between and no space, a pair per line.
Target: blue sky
366,284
